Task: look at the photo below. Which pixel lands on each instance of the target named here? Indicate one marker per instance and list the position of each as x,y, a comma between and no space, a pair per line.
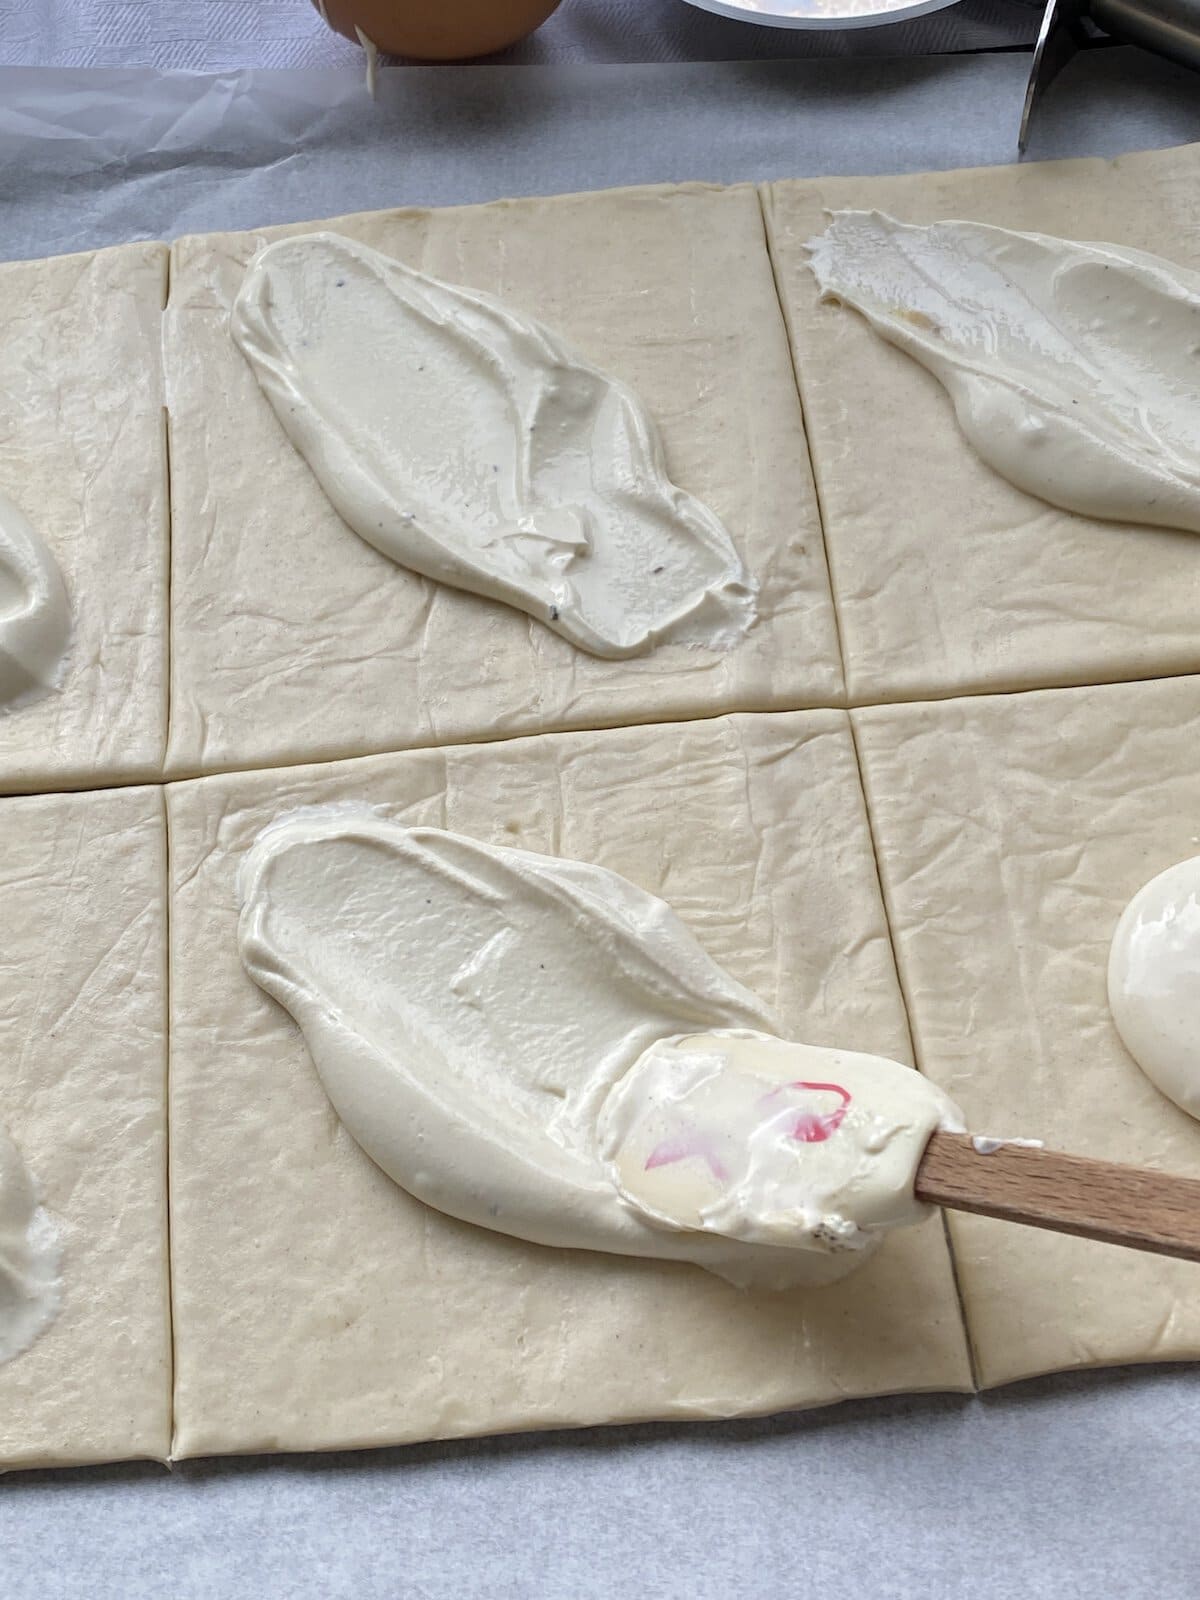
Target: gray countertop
1072,1486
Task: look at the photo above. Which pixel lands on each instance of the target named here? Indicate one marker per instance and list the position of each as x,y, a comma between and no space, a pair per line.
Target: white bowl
820,13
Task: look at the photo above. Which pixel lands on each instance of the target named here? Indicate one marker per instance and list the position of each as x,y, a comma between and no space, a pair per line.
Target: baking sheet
1067,1487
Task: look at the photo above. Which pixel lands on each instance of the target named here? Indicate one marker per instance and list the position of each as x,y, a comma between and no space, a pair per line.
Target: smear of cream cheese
371,51
539,1047
35,618
1154,982
986,1144
465,441
29,1287
1073,368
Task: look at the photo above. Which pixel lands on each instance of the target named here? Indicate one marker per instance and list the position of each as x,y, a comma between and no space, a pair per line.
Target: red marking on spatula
810,1127
814,1127
679,1146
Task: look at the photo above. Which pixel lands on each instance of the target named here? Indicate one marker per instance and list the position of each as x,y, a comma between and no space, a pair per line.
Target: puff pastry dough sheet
83,1092
317,1305
83,453
947,579
1012,831
293,639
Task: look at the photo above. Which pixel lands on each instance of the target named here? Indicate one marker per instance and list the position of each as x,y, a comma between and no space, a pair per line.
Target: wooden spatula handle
1071,1194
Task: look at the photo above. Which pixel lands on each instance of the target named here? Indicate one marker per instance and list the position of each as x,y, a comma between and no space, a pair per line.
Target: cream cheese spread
1154,982
29,1288
466,442
540,1047
1072,367
34,615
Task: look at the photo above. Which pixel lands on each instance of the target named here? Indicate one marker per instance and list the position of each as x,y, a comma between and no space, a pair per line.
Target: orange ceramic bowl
438,30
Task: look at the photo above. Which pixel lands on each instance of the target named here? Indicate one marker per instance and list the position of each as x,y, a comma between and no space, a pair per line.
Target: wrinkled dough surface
1154,982
319,1304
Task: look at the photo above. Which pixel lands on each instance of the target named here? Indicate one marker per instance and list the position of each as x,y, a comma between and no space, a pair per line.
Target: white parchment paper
1070,1488
97,157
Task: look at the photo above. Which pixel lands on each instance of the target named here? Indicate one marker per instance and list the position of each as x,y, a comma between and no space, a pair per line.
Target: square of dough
295,640
948,579
83,454
1012,832
83,1071
317,1305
